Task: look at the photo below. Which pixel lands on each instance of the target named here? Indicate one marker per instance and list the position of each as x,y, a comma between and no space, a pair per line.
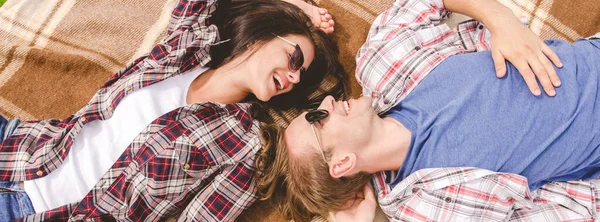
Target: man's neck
389,146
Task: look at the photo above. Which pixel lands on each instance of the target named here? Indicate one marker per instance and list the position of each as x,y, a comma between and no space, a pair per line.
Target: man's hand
516,43
360,209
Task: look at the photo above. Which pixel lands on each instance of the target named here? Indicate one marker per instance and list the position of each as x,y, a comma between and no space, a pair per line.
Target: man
443,114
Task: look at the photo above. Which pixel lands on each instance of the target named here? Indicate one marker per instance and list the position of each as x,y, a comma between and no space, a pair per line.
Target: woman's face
275,67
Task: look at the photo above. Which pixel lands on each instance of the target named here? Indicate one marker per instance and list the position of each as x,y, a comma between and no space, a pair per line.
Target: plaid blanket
45,46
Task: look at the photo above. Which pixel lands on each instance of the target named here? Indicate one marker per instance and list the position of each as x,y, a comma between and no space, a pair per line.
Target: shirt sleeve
393,38
186,45
188,38
189,12
224,199
462,194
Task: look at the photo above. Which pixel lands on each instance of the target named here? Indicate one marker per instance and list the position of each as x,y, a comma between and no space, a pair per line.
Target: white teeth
347,107
279,84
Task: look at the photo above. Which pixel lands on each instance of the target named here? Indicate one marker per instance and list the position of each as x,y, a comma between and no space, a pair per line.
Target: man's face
346,128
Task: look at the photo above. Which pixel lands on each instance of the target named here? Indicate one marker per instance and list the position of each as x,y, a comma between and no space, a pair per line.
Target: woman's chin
264,98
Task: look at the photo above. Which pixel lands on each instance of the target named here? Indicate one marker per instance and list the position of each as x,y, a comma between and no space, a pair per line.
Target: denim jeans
14,202
7,127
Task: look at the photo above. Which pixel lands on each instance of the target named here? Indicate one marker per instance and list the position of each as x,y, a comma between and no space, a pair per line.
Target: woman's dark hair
245,22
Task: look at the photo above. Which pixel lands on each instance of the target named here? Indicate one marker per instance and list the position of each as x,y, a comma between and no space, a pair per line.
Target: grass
2,2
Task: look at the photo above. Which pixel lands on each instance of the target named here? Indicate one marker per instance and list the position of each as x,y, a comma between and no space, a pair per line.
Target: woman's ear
342,167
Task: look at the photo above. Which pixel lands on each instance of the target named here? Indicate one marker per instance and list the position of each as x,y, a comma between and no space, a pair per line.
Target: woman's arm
514,42
224,198
189,12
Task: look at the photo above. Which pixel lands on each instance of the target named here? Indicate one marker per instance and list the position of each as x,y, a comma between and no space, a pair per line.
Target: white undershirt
100,143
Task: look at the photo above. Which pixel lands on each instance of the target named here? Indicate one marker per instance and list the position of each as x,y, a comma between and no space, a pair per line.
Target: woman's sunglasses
296,59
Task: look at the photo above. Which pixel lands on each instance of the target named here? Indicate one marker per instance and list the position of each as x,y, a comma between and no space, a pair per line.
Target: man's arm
514,42
397,52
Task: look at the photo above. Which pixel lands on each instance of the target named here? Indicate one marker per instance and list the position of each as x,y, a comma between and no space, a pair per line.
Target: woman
173,133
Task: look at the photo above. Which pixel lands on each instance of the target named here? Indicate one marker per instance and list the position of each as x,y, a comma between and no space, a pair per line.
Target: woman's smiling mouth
279,82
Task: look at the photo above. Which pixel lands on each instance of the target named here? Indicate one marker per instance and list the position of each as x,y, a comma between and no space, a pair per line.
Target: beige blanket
54,54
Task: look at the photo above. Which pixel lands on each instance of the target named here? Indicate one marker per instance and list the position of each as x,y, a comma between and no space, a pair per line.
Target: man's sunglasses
296,59
315,116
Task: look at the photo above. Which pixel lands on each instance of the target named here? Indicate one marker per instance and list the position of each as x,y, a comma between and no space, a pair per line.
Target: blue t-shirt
462,115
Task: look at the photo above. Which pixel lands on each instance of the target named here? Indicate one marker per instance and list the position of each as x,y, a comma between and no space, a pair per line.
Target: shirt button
83,119
448,199
480,27
64,150
127,89
39,173
186,166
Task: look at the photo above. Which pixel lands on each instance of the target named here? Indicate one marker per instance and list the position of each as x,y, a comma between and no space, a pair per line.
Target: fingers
369,204
551,55
543,76
499,63
322,11
326,28
327,22
368,192
548,53
547,65
324,15
528,76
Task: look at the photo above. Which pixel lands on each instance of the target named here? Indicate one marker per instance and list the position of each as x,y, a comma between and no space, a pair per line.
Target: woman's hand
360,209
513,41
320,17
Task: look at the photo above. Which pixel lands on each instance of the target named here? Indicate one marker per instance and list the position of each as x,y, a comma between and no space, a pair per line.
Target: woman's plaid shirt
196,161
404,44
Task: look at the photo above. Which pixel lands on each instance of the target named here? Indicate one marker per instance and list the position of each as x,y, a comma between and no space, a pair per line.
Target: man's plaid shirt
196,161
404,44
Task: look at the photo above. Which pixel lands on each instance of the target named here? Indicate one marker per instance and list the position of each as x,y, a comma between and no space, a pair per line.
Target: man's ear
342,167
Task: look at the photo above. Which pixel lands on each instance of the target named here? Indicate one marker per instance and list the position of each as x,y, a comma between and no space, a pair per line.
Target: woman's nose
294,77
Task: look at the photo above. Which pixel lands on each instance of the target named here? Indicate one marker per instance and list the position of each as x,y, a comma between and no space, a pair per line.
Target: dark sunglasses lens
296,59
316,115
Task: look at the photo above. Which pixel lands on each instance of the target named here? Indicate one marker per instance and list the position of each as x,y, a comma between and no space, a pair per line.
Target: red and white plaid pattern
473,194
405,43
196,161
